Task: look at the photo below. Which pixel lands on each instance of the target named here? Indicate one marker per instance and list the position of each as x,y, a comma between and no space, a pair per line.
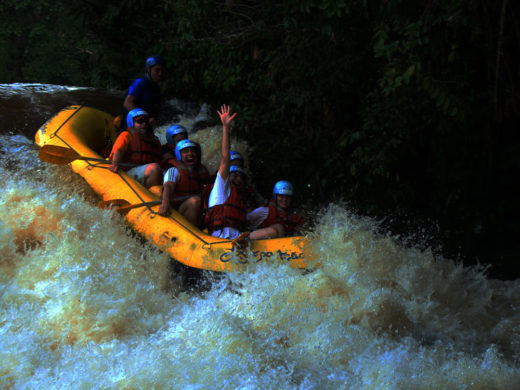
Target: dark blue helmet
154,60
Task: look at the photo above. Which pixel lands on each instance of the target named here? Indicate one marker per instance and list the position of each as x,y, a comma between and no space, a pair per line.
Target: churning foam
86,304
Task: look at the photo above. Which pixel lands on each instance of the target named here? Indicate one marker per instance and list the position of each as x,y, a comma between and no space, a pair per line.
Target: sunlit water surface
86,304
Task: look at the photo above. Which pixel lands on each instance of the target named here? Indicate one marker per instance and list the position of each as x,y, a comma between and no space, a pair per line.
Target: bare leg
191,210
152,175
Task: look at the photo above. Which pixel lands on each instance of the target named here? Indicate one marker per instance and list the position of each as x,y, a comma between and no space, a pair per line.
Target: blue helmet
283,187
237,168
185,143
173,131
154,60
234,155
132,114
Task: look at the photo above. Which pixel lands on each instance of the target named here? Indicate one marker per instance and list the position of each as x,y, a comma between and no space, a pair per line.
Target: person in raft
174,134
253,195
227,202
184,182
145,92
235,158
138,145
278,210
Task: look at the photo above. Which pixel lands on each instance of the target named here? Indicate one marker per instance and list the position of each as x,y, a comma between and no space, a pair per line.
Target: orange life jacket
230,214
290,219
143,149
191,181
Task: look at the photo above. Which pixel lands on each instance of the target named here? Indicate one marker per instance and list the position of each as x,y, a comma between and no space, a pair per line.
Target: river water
86,304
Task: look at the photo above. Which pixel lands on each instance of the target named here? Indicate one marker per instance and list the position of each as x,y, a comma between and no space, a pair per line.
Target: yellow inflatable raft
84,130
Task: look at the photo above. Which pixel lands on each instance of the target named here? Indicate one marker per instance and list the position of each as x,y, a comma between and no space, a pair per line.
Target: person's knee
153,169
152,175
193,204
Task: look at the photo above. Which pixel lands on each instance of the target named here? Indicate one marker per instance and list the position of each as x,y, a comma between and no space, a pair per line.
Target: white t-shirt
257,216
172,174
219,195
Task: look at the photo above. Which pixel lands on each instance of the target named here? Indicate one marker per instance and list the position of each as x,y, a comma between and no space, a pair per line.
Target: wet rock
203,118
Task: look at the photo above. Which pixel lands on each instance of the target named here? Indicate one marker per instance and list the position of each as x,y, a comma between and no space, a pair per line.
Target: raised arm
226,119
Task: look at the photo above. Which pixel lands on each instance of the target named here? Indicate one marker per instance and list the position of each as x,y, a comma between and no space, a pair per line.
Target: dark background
406,110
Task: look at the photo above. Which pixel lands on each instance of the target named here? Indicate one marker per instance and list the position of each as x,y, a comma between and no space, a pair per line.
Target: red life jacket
230,214
294,221
248,195
142,150
171,162
249,199
290,219
191,181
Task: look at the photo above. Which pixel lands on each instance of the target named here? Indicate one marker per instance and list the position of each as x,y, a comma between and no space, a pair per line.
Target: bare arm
116,159
130,103
167,195
119,150
226,119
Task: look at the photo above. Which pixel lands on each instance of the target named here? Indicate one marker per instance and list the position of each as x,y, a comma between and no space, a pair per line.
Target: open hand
225,115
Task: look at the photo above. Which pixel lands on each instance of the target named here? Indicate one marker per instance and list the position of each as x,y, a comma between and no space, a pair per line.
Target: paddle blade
242,240
113,203
123,206
54,154
60,155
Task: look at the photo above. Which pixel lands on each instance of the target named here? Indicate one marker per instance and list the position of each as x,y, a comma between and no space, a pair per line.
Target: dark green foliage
404,108
38,45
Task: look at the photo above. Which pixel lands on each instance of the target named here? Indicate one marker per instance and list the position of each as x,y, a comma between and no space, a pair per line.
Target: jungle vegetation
405,109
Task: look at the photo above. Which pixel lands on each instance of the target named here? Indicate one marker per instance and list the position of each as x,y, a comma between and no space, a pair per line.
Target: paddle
123,206
60,155
242,240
